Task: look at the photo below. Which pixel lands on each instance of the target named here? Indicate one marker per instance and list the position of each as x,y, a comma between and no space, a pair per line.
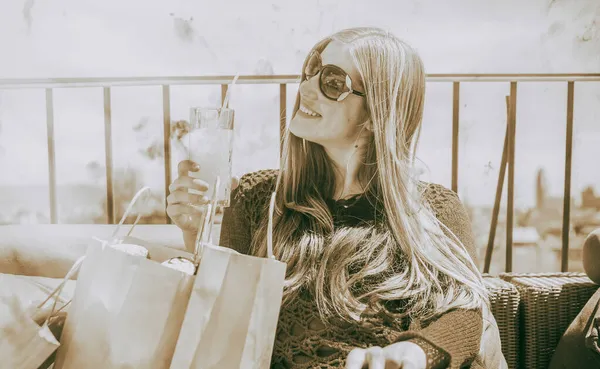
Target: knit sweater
303,341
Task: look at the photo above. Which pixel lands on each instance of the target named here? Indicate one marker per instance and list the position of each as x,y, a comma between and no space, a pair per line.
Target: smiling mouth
308,112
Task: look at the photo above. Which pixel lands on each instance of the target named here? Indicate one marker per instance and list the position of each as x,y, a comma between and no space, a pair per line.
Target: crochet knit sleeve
242,216
453,339
450,211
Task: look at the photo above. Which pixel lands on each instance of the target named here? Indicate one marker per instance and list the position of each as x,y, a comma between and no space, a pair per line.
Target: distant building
547,216
589,200
541,192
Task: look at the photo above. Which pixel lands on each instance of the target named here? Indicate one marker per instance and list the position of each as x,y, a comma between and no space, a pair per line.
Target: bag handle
58,290
76,266
270,227
126,214
205,229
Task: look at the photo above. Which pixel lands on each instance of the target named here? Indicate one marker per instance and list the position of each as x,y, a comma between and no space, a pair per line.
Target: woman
380,265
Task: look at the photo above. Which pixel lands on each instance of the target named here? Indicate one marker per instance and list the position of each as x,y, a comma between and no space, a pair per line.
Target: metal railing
508,156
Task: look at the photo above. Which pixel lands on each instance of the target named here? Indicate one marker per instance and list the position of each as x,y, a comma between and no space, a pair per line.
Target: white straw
226,100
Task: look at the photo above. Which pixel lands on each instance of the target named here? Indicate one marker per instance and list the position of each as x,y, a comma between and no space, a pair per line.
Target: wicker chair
504,300
548,303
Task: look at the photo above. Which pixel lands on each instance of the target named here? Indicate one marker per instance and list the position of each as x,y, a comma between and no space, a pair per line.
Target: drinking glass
210,145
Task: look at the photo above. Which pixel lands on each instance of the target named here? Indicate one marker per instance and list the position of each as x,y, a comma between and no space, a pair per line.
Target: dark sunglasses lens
333,82
313,66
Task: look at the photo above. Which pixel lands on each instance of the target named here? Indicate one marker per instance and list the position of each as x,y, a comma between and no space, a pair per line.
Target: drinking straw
226,100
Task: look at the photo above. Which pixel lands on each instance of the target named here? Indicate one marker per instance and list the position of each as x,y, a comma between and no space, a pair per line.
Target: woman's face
330,123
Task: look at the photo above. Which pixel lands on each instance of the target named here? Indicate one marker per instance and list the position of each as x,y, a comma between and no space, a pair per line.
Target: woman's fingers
186,166
375,358
356,359
185,215
177,210
405,355
181,197
186,183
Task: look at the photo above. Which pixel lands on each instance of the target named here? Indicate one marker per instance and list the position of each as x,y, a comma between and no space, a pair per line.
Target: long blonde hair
404,256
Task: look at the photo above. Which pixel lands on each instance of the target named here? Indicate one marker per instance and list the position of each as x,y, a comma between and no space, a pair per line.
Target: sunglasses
334,83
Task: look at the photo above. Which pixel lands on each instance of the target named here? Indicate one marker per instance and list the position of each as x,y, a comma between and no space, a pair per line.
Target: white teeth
305,110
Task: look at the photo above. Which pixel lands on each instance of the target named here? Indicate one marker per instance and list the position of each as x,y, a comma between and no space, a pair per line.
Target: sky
84,38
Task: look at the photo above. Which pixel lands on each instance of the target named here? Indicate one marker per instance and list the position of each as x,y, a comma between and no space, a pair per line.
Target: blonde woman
380,265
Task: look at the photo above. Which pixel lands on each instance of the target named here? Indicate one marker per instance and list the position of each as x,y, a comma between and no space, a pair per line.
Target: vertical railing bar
511,175
455,130
499,189
166,97
282,115
51,156
564,257
108,157
224,93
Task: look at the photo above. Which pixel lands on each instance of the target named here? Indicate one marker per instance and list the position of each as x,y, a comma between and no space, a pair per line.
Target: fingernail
195,167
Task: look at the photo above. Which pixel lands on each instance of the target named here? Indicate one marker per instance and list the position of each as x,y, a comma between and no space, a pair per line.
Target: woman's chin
299,127
306,128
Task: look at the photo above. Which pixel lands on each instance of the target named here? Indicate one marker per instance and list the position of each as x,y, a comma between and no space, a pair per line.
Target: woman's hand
187,198
400,355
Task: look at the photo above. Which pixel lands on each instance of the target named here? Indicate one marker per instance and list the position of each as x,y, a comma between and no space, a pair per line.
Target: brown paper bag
26,341
23,343
233,311
126,312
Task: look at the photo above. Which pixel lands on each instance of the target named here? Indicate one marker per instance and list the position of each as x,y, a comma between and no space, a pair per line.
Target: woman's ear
368,125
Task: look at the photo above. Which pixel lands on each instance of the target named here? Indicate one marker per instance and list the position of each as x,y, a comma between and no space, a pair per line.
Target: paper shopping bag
126,311
26,340
23,343
232,314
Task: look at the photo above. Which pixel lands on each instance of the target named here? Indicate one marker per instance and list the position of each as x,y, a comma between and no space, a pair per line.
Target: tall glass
210,146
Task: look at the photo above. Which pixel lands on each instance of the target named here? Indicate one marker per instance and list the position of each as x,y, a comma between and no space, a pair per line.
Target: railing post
51,156
166,95
499,189
455,131
512,122
282,115
110,203
564,256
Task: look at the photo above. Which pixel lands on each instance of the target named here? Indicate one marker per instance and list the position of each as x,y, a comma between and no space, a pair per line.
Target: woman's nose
309,88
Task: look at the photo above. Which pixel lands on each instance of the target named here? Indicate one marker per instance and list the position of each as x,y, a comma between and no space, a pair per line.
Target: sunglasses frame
319,72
